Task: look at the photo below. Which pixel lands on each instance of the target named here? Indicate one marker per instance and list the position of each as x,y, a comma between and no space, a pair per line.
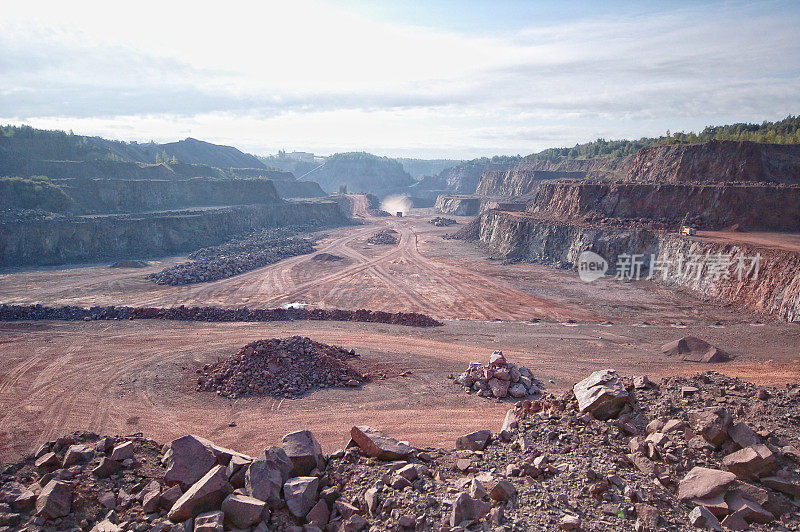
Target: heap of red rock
288,367
236,256
384,238
499,379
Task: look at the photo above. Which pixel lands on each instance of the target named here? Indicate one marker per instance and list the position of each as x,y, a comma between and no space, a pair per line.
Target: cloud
312,75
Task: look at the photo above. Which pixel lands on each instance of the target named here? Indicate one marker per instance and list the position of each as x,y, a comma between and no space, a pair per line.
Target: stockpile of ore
384,238
236,256
441,221
288,367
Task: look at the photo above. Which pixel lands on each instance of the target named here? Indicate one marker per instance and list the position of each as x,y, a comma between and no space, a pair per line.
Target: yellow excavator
685,228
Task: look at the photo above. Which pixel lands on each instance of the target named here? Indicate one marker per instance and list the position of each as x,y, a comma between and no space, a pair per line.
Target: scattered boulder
242,511
267,474
17,496
601,394
467,510
301,494
474,441
204,495
187,460
122,452
304,451
210,522
55,500
700,517
378,445
751,462
77,454
702,482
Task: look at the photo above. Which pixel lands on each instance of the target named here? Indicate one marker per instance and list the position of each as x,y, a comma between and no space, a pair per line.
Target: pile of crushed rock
441,221
707,452
236,256
499,379
287,367
384,238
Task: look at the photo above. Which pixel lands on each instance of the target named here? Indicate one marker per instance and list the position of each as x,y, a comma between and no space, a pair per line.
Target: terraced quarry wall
58,239
752,207
118,195
519,181
775,292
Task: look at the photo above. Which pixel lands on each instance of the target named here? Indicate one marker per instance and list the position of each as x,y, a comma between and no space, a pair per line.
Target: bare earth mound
693,349
288,367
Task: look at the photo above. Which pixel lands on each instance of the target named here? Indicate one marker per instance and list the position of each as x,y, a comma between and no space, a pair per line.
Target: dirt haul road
422,273
125,377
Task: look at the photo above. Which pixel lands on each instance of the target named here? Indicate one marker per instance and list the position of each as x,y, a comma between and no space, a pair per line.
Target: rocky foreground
706,452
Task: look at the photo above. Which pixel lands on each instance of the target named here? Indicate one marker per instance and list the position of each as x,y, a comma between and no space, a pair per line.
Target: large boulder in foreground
378,445
265,476
474,441
55,500
702,482
693,349
301,494
187,460
206,494
304,451
467,510
602,394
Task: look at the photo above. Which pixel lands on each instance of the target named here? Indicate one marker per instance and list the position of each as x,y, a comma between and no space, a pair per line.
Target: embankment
218,314
774,291
27,240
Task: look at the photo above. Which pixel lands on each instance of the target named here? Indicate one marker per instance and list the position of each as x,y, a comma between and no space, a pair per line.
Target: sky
412,78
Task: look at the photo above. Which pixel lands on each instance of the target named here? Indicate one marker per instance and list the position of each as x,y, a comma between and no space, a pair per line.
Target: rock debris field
289,367
616,453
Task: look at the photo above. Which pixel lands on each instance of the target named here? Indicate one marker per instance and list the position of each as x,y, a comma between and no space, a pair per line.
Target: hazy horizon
445,80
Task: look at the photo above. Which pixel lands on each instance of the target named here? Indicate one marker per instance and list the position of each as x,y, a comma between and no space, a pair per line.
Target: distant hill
361,172
24,143
419,168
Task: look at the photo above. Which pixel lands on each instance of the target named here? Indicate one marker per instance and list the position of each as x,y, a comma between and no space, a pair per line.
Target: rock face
376,444
602,394
694,349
